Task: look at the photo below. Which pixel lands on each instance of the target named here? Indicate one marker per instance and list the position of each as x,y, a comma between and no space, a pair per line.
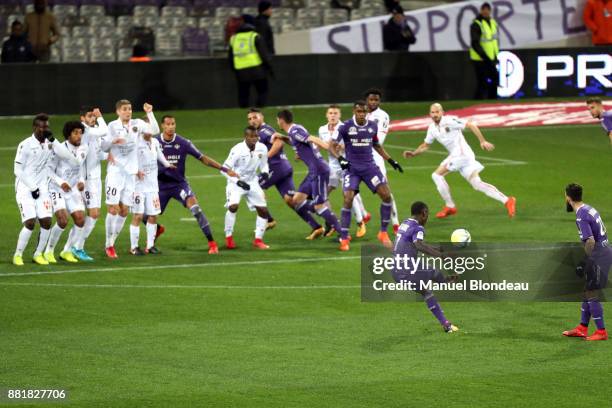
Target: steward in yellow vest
484,47
250,61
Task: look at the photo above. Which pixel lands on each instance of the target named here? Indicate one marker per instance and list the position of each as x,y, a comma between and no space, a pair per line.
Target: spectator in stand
42,30
483,53
598,19
262,25
397,35
17,48
140,54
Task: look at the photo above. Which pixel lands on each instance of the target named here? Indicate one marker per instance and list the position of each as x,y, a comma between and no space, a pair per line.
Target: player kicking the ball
360,140
247,159
594,268
448,131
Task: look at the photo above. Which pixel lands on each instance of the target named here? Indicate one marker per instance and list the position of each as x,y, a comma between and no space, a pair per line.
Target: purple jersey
606,121
176,152
358,142
279,162
409,232
590,224
306,151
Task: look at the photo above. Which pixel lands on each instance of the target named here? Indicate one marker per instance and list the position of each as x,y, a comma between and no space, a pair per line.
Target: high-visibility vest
488,40
244,51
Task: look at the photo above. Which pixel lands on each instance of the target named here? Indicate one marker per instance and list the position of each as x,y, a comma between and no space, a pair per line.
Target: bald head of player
595,107
420,212
255,118
250,137
73,131
360,112
436,111
373,97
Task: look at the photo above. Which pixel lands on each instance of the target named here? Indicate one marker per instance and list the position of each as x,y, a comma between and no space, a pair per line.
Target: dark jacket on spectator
263,28
397,37
17,49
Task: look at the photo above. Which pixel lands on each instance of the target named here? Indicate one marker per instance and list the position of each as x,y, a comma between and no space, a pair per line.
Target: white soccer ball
461,237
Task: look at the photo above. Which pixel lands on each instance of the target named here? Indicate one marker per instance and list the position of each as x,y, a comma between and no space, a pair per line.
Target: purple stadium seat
93,2
179,3
156,3
119,7
65,2
195,42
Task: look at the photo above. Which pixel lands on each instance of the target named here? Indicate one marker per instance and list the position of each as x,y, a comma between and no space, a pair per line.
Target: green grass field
285,327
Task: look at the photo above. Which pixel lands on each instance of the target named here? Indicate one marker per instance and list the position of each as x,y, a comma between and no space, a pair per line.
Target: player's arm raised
153,125
102,128
484,145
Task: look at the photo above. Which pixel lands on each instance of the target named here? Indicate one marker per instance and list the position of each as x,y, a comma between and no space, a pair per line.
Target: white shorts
146,203
465,165
255,197
92,195
120,188
380,162
29,208
71,201
335,177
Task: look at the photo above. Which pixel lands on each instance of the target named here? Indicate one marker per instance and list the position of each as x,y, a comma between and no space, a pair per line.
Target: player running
315,183
281,172
409,242
447,131
360,139
594,268
327,133
146,195
247,159
122,140
173,183
381,118
31,186
597,110
66,186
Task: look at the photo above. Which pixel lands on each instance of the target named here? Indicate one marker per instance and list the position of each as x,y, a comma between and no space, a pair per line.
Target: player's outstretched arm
427,249
207,161
423,147
381,150
317,141
484,145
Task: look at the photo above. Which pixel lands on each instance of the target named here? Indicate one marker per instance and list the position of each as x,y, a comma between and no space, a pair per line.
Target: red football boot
259,244
395,228
159,232
578,331
110,252
229,242
446,211
383,237
511,206
344,245
598,335
213,248
367,218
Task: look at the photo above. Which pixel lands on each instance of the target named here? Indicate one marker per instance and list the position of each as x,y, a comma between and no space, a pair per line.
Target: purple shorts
315,187
420,275
371,176
178,191
282,180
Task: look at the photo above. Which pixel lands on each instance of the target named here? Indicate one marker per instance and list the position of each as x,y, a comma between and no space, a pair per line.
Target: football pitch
286,327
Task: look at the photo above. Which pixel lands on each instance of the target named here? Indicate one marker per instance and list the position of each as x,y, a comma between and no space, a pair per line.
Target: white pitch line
181,266
445,153
125,286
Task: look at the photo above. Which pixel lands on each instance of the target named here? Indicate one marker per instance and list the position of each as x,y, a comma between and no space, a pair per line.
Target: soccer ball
461,237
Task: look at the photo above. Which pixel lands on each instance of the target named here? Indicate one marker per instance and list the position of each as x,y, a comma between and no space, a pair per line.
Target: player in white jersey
66,185
250,160
121,141
448,131
336,174
146,196
376,114
31,186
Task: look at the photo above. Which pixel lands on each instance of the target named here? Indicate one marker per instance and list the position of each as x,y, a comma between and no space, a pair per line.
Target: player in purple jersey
409,242
598,111
314,185
281,172
594,268
360,140
173,183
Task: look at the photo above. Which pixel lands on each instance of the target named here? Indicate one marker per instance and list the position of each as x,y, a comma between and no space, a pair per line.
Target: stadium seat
205,22
102,54
10,7
195,42
65,31
61,11
146,11
226,12
294,4
283,13
83,31
75,54
334,16
106,32
120,7
250,11
322,4
173,11
360,13
310,17
102,21
125,21
167,45
72,20
124,54
90,10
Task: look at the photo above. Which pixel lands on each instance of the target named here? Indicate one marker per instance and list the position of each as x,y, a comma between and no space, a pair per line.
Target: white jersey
92,138
381,119
32,159
63,171
246,162
149,153
125,155
327,136
449,133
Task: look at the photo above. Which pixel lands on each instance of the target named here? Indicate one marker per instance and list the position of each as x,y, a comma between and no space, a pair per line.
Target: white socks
90,223
151,231
230,221
357,199
488,189
443,189
73,238
55,234
260,227
394,216
119,221
357,211
22,241
134,235
110,229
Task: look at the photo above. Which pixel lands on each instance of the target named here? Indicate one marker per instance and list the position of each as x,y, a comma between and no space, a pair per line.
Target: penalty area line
222,287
